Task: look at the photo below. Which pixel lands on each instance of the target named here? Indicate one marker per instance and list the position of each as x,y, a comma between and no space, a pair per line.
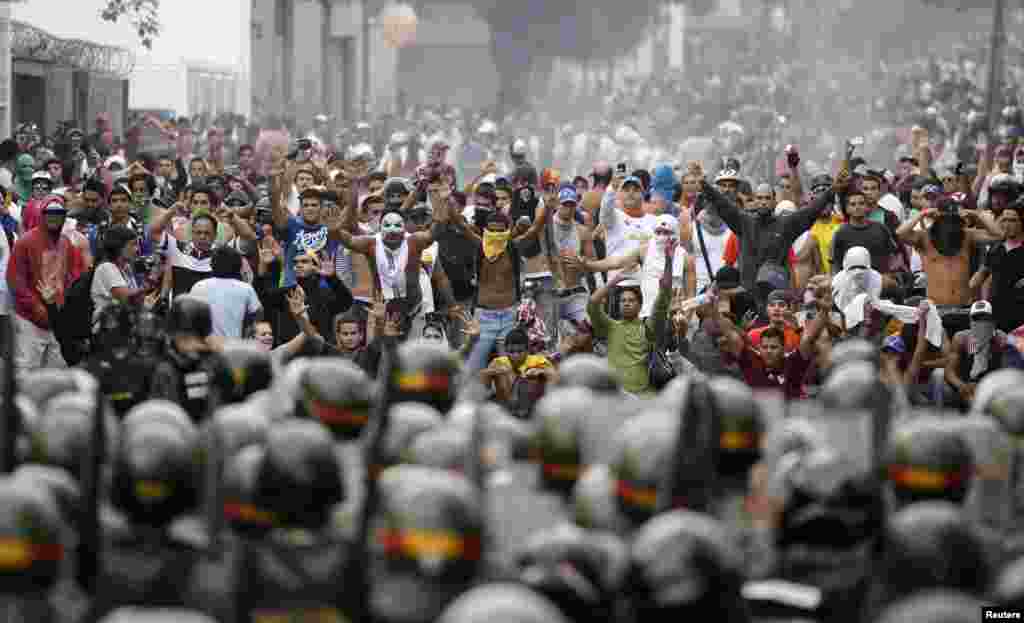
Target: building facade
308,58
51,80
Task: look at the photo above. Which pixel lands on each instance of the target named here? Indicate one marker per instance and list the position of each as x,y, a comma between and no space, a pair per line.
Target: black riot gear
1008,588
502,603
938,606
993,386
853,386
683,565
60,484
594,506
406,421
183,376
189,315
285,493
239,371
580,572
428,545
560,418
931,545
589,371
44,384
238,426
61,436
741,427
31,533
154,467
645,445
426,372
301,479
446,447
335,392
928,460
241,474
830,522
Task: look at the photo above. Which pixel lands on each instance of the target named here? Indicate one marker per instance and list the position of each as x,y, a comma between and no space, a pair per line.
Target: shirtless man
946,244
499,267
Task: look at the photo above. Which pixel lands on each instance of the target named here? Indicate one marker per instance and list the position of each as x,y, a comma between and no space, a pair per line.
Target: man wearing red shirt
769,367
42,258
777,307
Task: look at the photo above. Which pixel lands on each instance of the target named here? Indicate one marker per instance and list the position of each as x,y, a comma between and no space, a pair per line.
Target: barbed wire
33,43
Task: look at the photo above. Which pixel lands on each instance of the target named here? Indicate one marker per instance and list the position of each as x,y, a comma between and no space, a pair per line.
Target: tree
143,14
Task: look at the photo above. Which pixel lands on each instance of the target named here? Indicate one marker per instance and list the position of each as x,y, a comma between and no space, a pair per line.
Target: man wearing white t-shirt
626,230
233,302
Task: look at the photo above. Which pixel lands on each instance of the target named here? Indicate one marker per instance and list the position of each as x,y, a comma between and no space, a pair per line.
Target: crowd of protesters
626,288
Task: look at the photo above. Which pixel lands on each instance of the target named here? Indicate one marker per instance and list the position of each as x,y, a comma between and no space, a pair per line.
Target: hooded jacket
38,255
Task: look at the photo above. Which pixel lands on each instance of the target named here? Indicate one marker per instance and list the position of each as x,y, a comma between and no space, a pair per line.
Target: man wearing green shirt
631,339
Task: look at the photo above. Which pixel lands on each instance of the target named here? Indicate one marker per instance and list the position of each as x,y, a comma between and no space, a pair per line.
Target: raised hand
47,291
471,326
297,301
328,265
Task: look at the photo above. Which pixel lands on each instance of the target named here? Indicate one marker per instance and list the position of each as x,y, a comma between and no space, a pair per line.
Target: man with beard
765,239
946,246
1005,266
972,355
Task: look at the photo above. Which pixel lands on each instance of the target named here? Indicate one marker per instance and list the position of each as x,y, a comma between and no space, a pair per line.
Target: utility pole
995,70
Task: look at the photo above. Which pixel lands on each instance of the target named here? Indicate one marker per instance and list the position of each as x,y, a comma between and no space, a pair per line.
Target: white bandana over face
392,226
856,278
666,229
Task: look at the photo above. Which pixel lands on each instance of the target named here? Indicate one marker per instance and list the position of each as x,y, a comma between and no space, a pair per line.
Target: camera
264,216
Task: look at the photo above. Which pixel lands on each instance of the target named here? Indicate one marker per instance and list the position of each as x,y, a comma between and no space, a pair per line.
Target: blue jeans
495,324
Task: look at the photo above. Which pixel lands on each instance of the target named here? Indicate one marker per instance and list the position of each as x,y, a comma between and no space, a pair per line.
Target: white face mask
1018,170
392,225
859,279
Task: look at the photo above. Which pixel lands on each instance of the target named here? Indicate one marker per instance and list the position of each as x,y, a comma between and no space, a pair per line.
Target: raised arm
909,233
337,231
278,189
726,209
615,262
802,220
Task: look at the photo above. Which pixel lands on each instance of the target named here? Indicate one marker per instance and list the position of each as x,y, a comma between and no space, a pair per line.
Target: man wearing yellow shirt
827,224
518,378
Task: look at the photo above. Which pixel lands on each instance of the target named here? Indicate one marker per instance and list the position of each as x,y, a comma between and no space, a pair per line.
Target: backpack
76,316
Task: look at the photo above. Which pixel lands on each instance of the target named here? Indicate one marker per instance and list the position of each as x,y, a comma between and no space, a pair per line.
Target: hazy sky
206,30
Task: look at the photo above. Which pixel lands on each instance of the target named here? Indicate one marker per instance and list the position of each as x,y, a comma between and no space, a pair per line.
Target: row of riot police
240,489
